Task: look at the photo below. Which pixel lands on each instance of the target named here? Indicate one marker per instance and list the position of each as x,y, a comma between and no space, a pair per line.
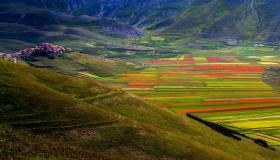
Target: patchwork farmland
225,87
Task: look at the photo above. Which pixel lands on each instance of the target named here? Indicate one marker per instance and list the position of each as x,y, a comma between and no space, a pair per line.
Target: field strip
258,128
247,119
218,99
227,108
268,136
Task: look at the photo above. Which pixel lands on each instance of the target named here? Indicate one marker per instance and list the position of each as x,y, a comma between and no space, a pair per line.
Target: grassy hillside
22,145
75,63
83,116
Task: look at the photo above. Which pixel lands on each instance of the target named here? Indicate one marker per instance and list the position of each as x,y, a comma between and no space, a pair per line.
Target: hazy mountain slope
27,23
223,19
254,20
269,20
240,19
138,12
99,120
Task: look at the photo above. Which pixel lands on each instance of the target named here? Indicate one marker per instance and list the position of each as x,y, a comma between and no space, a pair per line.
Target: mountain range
250,16
182,21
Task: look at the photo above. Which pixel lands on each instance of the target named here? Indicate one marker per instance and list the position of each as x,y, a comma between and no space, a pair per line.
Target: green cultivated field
223,86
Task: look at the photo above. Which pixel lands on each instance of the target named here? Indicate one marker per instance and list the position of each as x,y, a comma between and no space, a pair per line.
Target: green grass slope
61,117
75,63
22,145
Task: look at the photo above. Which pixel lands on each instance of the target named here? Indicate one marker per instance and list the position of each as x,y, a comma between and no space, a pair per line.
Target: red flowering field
204,85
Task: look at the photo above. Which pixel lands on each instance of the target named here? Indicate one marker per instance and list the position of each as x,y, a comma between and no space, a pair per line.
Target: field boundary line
268,136
246,119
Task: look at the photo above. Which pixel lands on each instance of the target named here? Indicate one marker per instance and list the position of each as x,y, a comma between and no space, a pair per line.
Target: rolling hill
75,63
81,119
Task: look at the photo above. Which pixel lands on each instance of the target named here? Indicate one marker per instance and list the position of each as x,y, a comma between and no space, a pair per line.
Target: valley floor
223,86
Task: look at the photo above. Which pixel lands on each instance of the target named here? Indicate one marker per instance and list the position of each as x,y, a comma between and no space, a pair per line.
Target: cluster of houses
43,49
272,68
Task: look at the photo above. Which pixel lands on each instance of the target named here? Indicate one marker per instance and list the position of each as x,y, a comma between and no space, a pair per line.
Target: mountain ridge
252,20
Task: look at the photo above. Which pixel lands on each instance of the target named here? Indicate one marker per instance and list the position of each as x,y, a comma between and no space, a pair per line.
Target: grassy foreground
48,115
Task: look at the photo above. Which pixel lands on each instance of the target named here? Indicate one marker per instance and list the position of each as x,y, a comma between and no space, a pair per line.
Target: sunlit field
224,86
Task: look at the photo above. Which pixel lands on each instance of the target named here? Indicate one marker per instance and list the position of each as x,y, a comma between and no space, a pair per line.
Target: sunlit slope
75,63
98,119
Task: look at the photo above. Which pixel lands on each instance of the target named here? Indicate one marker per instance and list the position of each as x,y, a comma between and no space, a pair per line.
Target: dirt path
268,136
229,108
247,119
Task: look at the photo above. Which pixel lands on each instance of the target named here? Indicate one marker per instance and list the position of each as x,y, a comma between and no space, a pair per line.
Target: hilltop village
44,49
